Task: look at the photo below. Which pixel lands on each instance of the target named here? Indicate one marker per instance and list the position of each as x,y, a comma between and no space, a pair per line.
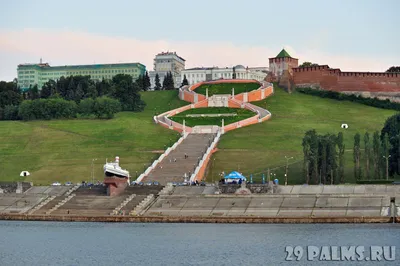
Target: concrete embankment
199,219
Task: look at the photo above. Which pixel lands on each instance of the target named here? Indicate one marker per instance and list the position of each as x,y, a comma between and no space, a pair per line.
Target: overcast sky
356,35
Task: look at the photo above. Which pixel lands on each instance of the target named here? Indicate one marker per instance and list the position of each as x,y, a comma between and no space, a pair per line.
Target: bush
375,102
47,109
86,107
379,181
10,112
106,107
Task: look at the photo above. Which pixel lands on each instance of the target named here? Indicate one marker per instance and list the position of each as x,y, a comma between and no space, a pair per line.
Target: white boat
113,169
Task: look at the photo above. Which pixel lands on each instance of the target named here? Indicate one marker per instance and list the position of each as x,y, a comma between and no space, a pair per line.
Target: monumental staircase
175,167
199,142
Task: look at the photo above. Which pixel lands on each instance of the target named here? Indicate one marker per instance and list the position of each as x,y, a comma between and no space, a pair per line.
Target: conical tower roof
282,54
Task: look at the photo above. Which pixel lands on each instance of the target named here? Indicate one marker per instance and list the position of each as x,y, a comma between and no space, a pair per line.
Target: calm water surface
57,243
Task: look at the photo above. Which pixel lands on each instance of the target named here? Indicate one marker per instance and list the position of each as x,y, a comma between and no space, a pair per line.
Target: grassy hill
197,121
62,150
254,149
226,88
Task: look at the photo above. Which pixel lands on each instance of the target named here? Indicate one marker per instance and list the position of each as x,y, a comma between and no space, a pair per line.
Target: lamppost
387,166
93,170
212,165
287,166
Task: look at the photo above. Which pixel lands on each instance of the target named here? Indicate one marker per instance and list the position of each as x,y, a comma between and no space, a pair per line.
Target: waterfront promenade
282,204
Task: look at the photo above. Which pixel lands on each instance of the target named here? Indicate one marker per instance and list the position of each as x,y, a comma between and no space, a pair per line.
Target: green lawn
197,121
254,149
62,150
226,88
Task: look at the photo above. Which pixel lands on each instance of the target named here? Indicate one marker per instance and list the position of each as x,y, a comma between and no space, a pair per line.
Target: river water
59,243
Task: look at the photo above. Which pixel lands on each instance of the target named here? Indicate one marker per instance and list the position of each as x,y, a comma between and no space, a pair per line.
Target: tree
376,155
356,157
172,82
157,83
308,64
185,81
394,69
127,92
398,153
146,81
386,153
140,82
79,93
332,155
392,129
9,94
341,148
367,155
234,73
33,93
91,91
168,82
306,153
48,89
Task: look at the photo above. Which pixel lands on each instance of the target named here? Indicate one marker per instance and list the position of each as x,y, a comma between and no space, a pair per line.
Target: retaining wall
200,219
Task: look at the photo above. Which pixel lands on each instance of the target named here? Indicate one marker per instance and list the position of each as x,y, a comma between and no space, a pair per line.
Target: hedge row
375,102
56,108
377,182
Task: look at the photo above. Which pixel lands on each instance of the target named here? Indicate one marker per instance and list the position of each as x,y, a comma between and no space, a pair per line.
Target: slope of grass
197,121
62,150
226,88
254,149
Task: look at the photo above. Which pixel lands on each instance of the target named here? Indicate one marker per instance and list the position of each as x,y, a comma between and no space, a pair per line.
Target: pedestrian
174,159
68,212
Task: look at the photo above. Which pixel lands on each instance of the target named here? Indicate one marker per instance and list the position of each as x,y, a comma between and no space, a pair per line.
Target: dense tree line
75,89
168,82
376,156
308,64
375,102
394,69
144,82
370,157
57,108
323,158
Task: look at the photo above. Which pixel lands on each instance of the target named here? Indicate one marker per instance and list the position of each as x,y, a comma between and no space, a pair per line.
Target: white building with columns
167,62
199,74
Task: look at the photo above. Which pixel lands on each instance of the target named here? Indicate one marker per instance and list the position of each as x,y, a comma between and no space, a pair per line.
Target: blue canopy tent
234,176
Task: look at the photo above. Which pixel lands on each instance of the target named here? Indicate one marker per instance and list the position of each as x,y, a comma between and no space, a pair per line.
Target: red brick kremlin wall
334,79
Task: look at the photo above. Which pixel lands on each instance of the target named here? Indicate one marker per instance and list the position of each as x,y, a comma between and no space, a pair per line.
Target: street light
93,170
387,166
287,166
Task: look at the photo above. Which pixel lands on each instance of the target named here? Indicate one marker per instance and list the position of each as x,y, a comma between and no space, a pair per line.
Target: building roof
283,53
170,53
201,68
67,67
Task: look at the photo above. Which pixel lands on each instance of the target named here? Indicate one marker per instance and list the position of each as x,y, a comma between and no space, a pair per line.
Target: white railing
206,154
165,154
